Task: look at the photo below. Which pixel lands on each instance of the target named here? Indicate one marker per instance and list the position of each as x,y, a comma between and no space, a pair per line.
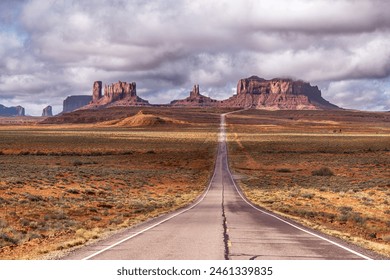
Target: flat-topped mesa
278,93
195,99
116,94
47,111
11,111
119,90
74,102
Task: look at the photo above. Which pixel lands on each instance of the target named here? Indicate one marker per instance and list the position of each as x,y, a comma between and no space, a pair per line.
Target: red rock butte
277,94
116,94
252,92
255,92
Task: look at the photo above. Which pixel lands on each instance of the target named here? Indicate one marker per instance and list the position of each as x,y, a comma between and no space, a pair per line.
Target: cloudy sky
50,49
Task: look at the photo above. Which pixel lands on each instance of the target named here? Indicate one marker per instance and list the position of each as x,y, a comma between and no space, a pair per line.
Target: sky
50,49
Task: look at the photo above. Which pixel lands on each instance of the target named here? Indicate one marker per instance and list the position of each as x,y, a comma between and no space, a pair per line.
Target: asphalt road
222,224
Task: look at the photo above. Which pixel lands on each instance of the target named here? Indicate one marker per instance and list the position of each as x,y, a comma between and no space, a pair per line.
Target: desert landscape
328,170
72,179
63,185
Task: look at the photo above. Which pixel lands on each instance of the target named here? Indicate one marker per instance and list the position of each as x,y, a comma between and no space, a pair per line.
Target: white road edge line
156,224
284,221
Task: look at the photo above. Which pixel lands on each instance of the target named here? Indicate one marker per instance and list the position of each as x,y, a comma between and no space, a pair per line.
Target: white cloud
373,95
52,49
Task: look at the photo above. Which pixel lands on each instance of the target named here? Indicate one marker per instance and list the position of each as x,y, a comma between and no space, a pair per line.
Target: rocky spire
195,92
96,91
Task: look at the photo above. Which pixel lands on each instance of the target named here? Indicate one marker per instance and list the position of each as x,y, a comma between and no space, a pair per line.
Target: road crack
226,240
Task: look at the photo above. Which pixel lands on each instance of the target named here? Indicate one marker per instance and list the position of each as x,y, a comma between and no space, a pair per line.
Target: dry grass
335,182
62,185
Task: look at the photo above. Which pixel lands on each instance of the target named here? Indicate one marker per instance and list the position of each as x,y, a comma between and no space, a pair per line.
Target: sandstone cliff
75,102
47,111
277,94
11,111
195,99
116,94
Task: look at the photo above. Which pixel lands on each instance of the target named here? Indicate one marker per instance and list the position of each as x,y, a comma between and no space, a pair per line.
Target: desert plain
69,180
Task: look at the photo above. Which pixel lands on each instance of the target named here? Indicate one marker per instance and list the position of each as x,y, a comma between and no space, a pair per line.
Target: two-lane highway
222,224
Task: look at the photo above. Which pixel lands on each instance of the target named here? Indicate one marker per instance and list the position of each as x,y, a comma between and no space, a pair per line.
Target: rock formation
75,102
11,111
47,111
277,94
194,93
120,90
116,94
195,99
96,91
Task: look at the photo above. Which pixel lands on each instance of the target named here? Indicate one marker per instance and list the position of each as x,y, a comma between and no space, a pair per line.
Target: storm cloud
52,49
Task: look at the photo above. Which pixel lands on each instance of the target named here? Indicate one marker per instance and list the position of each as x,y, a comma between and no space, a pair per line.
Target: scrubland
330,171
64,185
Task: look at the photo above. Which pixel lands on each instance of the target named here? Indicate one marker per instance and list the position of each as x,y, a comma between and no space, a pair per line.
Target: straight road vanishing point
221,224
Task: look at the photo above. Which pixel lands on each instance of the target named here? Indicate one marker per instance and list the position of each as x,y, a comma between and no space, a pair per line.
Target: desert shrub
34,236
34,225
55,216
343,218
88,234
93,209
345,209
3,201
32,197
73,191
305,213
308,195
283,170
117,220
327,215
323,171
25,222
8,238
357,218
77,163
90,192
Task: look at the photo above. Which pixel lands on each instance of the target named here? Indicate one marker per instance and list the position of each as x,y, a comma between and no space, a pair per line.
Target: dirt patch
141,119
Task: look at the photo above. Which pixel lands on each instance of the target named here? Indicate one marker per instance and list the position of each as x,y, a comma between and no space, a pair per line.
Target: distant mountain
117,94
11,111
75,102
47,111
252,92
277,94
